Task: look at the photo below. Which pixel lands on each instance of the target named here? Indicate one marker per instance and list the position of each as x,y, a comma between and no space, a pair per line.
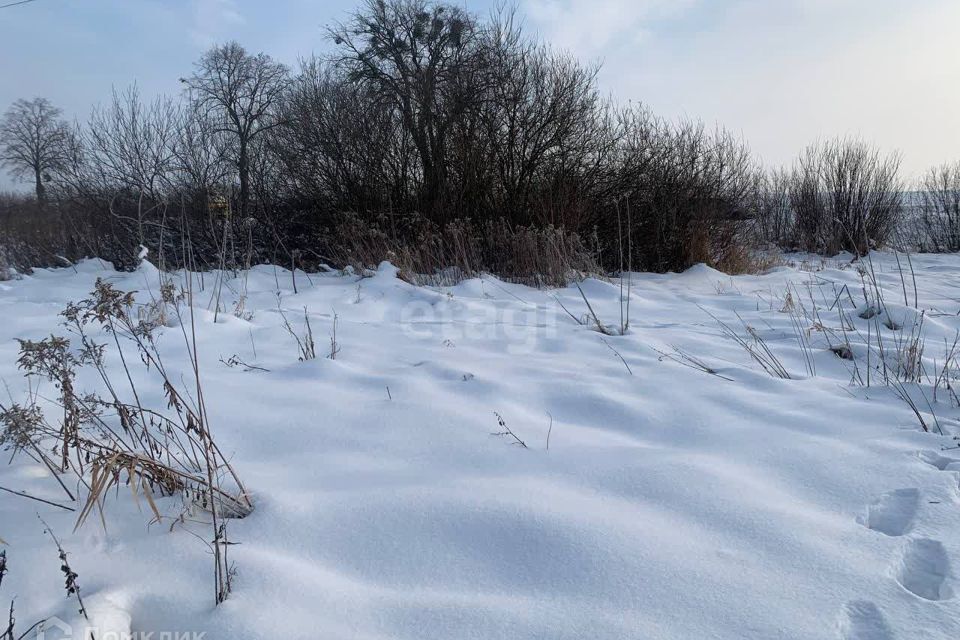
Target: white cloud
783,73
589,28
214,20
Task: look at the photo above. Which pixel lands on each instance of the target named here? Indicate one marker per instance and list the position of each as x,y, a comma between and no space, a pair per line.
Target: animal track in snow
942,463
924,570
861,620
892,513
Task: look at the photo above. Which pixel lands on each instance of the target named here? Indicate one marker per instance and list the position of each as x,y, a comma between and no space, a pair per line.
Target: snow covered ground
671,504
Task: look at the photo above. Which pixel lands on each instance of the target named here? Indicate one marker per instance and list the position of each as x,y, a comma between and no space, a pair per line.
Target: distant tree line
436,139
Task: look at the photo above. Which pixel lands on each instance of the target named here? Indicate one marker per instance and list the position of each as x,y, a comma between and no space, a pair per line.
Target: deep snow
671,504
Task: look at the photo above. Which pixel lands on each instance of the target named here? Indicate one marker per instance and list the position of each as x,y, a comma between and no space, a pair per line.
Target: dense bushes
33,235
935,207
685,195
845,195
441,140
841,195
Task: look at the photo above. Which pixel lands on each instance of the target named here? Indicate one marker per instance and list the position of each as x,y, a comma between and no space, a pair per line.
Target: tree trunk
243,168
40,187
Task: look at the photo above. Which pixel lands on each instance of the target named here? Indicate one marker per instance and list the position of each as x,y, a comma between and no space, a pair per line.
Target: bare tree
124,166
341,145
200,152
241,93
130,143
32,135
422,58
541,113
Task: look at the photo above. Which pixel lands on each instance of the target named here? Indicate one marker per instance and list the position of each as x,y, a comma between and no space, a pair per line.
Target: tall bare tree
32,136
241,93
423,58
538,112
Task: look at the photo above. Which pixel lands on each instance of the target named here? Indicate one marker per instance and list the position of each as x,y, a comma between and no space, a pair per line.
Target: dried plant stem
602,329
609,346
69,574
27,495
507,431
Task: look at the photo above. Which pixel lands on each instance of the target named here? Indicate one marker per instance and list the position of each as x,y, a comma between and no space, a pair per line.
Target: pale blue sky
781,72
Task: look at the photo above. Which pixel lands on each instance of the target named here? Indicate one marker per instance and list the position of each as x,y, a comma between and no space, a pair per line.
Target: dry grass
306,347
434,255
755,346
108,439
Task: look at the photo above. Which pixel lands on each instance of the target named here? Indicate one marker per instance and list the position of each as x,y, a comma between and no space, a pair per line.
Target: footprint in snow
892,513
862,620
924,569
942,463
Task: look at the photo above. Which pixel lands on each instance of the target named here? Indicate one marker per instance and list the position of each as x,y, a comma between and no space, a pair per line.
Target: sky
780,73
